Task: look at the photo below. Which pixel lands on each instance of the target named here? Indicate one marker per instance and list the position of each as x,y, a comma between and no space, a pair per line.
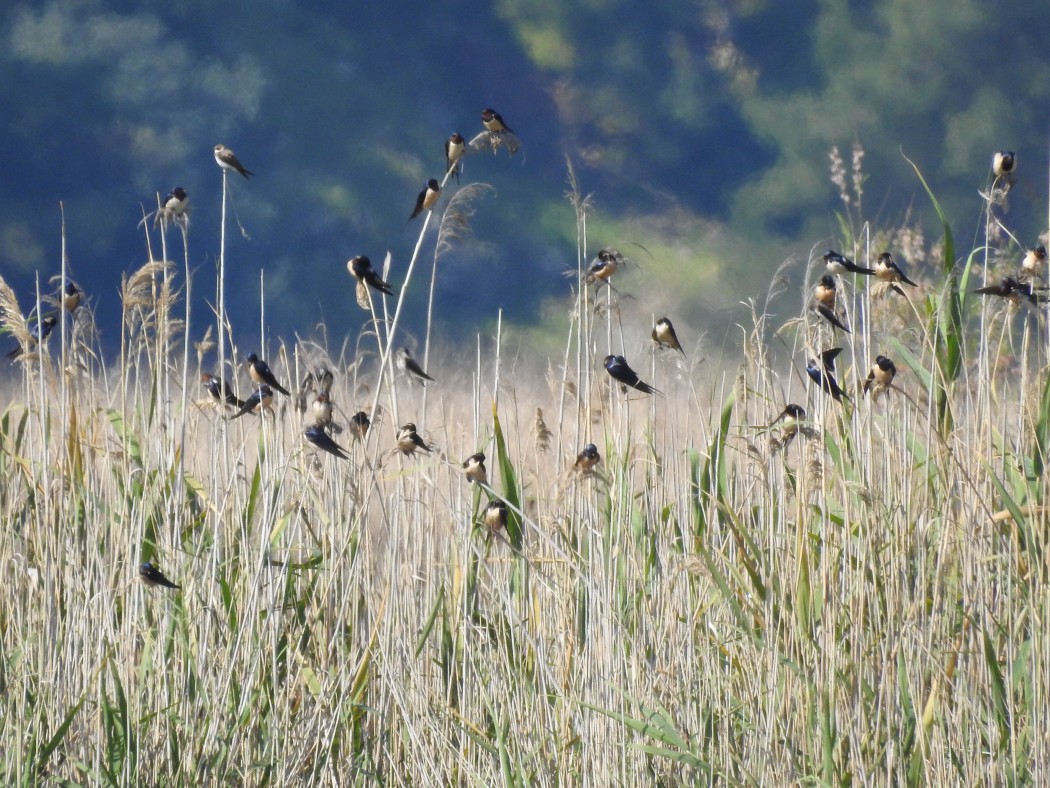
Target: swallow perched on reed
824,302
173,208
220,390
587,459
494,122
604,265
316,435
1014,291
360,268
495,515
226,159
410,367
1033,264
259,371
1003,163
320,380
455,147
259,402
837,264
620,371
887,270
789,419
664,335
474,468
71,297
880,377
321,408
359,424
408,439
38,332
153,577
823,373
427,198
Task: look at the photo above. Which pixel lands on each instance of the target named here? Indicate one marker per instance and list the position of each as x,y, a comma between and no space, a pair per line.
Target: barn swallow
258,402
359,424
791,416
427,198
36,334
824,302
410,367
837,264
474,468
455,147
322,409
664,335
153,577
259,371
495,515
408,439
320,379
604,265
71,297
887,270
220,391
880,377
1033,264
226,159
823,373
318,437
587,458
173,208
360,268
1012,290
493,122
619,370
1003,163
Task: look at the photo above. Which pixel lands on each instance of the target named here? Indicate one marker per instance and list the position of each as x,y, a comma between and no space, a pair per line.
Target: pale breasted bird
410,367
474,468
664,335
493,122
824,302
360,268
71,297
887,270
455,147
495,515
1033,264
838,264
259,371
1003,163
322,409
880,377
226,159
220,390
408,440
427,198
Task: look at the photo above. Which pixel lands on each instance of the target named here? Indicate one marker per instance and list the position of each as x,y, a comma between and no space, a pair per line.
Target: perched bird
71,297
220,390
495,515
360,268
322,409
455,147
493,122
604,265
320,379
665,336
1033,264
226,159
410,367
259,402
318,437
823,373
791,416
1014,291
359,424
619,370
427,198
38,332
153,577
887,270
1003,163
587,458
174,207
824,302
259,371
408,439
837,264
880,377
474,468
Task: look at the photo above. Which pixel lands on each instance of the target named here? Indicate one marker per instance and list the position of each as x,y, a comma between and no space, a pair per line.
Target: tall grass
863,606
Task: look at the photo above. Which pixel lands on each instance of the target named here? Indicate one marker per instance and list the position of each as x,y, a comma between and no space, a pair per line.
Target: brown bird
474,468
495,515
880,377
587,458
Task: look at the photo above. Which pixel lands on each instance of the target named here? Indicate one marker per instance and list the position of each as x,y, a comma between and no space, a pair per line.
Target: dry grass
865,605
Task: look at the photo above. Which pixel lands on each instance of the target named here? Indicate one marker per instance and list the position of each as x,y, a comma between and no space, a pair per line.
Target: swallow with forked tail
316,435
837,264
226,159
360,268
823,373
619,370
427,198
259,371
153,577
